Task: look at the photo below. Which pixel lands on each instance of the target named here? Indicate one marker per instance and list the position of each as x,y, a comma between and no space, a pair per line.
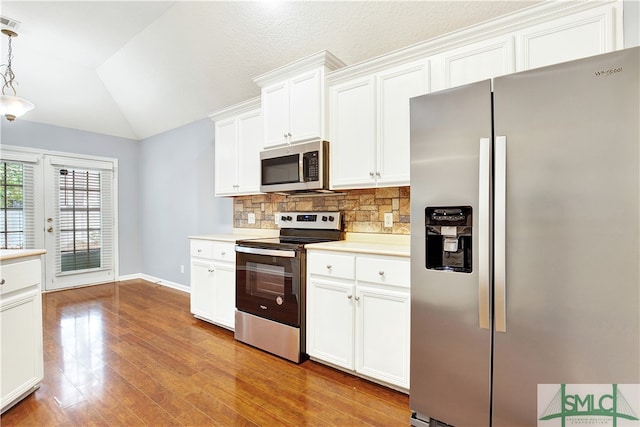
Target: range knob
288,218
331,218
324,217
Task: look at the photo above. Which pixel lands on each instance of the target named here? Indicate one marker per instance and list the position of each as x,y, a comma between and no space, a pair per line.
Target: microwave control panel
311,165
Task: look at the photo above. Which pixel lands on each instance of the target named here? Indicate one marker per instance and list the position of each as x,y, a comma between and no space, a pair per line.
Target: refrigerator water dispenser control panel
448,231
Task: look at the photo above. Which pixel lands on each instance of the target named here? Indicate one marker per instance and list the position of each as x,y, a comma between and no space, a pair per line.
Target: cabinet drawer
20,275
202,248
224,251
332,265
384,271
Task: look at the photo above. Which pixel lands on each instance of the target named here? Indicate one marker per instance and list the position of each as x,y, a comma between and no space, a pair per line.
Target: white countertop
238,234
6,254
369,243
365,243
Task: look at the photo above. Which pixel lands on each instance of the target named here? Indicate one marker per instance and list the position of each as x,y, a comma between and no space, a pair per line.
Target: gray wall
166,189
631,10
54,138
177,198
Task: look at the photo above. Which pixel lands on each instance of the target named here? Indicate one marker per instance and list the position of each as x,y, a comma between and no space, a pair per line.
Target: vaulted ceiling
136,69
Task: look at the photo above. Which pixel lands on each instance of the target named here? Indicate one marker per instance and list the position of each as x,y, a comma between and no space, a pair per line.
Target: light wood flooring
130,353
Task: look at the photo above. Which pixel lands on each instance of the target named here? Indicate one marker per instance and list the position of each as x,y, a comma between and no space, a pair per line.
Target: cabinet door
275,111
395,87
352,142
225,295
226,157
203,289
305,107
330,322
22,365
383,334
474,62
577,36
250,143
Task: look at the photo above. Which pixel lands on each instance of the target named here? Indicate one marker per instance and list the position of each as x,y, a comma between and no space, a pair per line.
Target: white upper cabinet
473,62
238,141
293,100
395,88
353,133
587,33
542,35
369,137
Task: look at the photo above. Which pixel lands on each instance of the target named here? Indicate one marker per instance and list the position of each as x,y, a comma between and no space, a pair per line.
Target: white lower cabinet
330,323
358,314
21,321
213,282
382,331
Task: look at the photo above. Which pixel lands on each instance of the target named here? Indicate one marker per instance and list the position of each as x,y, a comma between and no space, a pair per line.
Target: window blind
17,210
84,218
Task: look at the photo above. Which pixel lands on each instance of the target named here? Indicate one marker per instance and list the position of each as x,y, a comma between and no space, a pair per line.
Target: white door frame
43,159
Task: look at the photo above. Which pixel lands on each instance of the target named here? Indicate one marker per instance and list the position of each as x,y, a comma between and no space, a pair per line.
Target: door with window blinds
79,222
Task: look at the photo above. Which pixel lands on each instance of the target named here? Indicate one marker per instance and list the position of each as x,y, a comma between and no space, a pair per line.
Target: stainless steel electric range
271,281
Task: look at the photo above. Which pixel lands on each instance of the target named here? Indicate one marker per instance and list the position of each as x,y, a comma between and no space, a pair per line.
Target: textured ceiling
136,69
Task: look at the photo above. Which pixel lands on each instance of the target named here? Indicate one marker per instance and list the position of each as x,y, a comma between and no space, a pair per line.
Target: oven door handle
268,252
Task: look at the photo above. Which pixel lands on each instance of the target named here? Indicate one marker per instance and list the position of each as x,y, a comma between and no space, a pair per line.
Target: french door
66,204
79,221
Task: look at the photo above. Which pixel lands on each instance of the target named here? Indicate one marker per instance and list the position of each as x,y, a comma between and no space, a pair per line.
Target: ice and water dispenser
448,238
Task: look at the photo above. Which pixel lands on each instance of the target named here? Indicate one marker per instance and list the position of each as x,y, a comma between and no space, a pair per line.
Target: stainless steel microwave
295,168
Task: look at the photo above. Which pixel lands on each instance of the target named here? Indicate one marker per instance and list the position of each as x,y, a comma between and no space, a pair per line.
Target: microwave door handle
304,167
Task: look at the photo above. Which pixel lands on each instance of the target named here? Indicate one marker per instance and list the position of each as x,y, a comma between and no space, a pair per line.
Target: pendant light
11,106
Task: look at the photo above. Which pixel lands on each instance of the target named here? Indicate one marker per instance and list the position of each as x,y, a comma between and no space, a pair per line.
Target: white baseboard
156,280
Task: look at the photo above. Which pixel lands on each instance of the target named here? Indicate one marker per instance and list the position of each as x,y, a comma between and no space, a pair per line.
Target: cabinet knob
284,134
199,250
381,273
2,282
349,296
211,270
50,229
328,266
371,174
377,174
357,298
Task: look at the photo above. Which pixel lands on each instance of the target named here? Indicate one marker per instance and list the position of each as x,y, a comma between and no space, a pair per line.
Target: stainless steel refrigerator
525,245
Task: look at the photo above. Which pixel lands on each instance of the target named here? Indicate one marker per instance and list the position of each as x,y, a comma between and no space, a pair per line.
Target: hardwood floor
130,353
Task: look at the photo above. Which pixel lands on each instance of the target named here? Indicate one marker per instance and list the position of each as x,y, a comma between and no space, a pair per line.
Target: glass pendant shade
12,106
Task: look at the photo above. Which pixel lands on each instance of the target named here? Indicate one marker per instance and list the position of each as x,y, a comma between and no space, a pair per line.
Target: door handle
500,235
484,225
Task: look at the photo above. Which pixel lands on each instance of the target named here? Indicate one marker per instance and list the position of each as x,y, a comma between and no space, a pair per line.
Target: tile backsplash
363,209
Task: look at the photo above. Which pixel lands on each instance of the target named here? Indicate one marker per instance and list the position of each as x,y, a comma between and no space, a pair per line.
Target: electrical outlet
251,218
181,268
388,219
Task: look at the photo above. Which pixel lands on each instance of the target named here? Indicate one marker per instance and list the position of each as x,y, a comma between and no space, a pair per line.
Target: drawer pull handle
381,273
2,282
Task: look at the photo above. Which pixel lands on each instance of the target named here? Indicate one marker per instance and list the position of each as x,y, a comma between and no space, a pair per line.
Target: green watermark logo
589,405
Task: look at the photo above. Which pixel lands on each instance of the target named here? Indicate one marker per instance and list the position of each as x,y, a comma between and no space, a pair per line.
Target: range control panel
311,220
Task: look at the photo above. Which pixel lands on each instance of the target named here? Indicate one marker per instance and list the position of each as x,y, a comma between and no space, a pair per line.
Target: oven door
268,283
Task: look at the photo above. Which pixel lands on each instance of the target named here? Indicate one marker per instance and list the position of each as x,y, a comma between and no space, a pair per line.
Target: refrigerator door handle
484,225
500,234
